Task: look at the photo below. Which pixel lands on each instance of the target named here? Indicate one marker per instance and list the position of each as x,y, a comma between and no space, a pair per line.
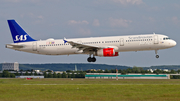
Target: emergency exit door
121,42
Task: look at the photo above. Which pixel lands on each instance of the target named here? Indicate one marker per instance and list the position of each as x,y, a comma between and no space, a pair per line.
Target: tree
113,70
50,75
5,74
54,75
137,69
129,70
49,71
45,75
82,74
123,72
178,71
35,73
106,71
158,71
100,71
72,75
12,75
17,74
26,73
68,71
69,75
119,71
31,73
173,71
59,75
63,75
32,70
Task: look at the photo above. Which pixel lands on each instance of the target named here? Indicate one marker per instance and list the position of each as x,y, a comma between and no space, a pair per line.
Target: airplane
109,46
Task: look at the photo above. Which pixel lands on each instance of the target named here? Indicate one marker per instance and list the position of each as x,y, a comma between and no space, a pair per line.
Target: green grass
89,89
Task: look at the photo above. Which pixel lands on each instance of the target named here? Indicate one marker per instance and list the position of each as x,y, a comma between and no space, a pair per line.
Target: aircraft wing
81,46
14,46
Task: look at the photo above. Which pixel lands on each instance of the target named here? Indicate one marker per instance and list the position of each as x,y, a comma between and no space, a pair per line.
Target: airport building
10,66
129,76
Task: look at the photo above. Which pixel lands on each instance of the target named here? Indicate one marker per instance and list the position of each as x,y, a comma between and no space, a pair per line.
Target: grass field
89,89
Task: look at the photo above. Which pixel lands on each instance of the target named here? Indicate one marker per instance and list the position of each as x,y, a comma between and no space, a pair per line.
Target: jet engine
107,52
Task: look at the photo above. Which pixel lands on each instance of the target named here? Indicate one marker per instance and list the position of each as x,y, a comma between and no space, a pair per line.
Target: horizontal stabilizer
14,46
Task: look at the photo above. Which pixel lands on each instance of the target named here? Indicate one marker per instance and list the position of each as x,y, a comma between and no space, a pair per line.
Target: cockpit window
166,38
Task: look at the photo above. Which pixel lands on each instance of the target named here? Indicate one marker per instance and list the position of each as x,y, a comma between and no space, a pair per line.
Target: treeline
6,74
79,74
135,70
46,74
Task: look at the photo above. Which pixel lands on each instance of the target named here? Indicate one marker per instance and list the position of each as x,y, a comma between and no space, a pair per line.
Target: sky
43,19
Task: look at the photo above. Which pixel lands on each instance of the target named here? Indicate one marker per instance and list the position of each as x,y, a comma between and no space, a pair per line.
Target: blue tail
18,34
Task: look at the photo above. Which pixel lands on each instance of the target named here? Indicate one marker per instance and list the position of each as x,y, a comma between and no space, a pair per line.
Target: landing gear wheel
157,56
93,59
89,59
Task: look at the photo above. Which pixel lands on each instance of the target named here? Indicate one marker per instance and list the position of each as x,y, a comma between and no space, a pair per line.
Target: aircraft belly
56,51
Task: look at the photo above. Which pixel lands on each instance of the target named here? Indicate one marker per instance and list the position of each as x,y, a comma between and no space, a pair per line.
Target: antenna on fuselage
153,33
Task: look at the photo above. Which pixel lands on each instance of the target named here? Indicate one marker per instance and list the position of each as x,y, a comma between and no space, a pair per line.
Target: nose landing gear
157,56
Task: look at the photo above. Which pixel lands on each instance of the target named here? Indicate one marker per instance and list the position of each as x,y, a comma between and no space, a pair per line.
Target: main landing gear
91,59
157,56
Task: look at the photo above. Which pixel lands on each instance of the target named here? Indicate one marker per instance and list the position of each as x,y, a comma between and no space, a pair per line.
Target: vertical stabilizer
18,34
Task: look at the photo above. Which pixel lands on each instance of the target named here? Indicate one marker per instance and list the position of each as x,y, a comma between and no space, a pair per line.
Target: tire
93,59
157,56
89,59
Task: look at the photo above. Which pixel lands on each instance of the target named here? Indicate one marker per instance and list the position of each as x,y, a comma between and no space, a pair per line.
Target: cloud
36,18
84,31
119,22
73,22
96,22
125,2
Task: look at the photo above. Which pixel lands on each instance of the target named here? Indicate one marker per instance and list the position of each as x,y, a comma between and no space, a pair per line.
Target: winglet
65,40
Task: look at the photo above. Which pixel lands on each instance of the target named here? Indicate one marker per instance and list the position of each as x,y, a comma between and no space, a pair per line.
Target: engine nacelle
107,52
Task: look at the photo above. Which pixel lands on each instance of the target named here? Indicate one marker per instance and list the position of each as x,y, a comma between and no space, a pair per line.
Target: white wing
84,47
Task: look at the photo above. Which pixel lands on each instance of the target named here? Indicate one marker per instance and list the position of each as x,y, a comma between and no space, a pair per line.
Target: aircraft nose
173,43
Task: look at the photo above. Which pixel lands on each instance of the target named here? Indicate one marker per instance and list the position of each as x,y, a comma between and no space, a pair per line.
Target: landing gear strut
157,56
91,59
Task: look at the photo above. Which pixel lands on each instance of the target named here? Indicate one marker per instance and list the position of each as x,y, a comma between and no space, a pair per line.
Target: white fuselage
119,43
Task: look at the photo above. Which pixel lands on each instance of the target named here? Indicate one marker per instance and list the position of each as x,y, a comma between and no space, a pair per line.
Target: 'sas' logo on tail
21,38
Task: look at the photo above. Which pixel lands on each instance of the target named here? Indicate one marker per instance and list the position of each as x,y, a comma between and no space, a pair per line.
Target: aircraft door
34,46
121,42
156,41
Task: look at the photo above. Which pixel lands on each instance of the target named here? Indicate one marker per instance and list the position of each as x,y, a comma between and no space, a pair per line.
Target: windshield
166,38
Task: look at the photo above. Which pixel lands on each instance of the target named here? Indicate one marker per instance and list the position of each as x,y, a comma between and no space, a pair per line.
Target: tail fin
18,34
